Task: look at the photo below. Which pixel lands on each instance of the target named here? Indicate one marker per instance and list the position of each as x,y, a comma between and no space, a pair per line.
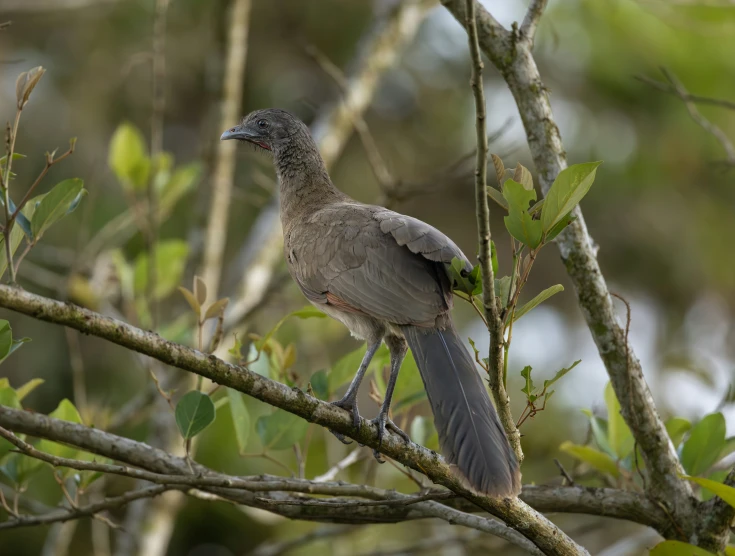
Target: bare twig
699,99
492,313
353,457
224,165
564,473
703,122
84,511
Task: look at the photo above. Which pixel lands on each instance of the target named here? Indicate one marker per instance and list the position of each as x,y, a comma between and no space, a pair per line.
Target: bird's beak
238,133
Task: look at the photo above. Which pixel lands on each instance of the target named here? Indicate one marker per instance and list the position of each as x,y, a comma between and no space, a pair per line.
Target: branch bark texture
144,462
510,52
515,513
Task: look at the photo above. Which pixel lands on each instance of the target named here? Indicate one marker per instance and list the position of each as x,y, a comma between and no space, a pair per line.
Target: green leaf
519,222
320,384
28,387
676,427
240,419
17,234
57,203
540,298
308,312
409,387
66,411
559,226
599,460
497,196
170,262
194,413
127,157
618,434
678,548
182,180
494,258
502,290
528,387
6,339
560,373
728,448
345,369
280,430
706,440
568,189
599,432
9,398
458,275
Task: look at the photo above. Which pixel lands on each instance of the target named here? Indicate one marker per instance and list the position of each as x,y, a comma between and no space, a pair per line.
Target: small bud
25,84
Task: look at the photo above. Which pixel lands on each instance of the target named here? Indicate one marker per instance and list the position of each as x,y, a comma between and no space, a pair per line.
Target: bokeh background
662,211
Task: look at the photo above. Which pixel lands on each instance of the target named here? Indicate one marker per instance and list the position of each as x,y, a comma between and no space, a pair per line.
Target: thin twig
482,207
564,473
703,122
86,511
666,88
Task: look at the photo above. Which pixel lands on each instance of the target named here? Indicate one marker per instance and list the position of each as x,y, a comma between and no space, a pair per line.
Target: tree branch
515,513
155,465
530,22
84,511
492,314
513,58
701,121
224,166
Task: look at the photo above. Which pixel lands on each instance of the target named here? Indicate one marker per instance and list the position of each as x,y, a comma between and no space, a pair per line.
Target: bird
384,275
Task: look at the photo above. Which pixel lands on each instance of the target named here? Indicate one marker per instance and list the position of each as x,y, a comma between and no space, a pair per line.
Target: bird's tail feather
470,434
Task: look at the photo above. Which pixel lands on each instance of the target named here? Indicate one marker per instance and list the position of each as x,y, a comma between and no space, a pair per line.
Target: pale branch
424,504
331,129
513,58
482,207
224,166
89,510
544,534
154,465
531,20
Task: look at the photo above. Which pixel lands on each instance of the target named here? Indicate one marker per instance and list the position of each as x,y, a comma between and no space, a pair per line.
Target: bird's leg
349,400
398,350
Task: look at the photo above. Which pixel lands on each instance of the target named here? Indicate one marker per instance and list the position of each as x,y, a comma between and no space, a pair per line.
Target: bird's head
269,129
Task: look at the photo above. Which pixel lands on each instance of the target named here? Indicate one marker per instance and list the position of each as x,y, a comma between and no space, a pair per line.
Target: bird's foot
383,422
348,403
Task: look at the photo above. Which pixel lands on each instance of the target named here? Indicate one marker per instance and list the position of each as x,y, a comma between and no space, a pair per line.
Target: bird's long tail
470,434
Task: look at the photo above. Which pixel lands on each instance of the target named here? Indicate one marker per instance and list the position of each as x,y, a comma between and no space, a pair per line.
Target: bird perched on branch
384,276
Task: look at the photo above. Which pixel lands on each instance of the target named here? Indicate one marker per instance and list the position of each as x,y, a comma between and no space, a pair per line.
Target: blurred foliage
661,211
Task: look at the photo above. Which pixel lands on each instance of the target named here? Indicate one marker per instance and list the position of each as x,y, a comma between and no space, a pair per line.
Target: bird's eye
262,124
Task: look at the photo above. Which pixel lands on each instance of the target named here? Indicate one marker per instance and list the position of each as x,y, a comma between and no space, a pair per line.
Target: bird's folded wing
420,238
345,252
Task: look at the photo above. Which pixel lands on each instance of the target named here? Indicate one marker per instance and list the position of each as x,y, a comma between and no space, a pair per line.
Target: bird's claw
383,422
348,404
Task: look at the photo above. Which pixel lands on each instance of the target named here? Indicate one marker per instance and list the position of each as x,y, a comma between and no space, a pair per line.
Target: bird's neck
304,182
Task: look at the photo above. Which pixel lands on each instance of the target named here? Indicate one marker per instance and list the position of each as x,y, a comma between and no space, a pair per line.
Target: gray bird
384,276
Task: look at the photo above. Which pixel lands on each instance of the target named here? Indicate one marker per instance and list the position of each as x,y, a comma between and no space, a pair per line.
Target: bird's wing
367,260
420,238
